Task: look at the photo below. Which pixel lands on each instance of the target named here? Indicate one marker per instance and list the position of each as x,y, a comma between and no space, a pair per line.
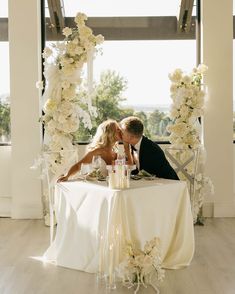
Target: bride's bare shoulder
98,151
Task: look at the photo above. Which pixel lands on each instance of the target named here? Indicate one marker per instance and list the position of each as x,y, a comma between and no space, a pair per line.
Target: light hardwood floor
212,270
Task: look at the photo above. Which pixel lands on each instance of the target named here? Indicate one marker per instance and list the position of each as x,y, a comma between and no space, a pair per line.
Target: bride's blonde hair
105,135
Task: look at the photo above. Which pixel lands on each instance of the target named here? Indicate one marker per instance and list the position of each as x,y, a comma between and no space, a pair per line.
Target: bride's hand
62,179
126,145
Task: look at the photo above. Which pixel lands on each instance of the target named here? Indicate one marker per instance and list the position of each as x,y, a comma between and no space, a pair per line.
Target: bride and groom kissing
139,150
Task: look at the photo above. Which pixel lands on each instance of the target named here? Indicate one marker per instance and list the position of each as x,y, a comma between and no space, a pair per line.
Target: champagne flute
96,163
85,169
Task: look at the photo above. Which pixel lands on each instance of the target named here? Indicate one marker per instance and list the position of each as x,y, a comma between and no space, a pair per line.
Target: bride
103,144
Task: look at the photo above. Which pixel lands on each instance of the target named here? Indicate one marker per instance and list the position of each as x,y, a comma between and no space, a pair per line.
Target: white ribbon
90,57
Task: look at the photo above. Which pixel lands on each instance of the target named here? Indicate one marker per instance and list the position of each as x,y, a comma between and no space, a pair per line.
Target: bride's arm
77,166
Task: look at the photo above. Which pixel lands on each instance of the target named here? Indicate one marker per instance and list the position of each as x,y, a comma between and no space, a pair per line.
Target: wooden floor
212,270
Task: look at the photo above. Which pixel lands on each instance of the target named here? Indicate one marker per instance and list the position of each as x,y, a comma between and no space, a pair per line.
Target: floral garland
188,106
63,108
140,265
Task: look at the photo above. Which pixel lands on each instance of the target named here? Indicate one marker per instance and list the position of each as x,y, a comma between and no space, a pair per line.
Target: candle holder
100,276
119,176
111,277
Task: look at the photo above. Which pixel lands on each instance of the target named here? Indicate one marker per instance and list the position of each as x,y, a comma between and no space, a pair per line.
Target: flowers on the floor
188,96
140,265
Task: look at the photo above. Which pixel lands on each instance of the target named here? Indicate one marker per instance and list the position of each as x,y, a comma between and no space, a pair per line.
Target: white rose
99,39
176,75
186,79
67,31
50,105
184,111
85,32
202,68
80,18
47,52
179,129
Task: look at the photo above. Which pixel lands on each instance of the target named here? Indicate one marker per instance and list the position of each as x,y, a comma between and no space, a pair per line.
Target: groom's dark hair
133,125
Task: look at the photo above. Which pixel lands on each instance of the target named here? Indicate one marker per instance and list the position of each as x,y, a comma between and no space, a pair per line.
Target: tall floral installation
64,109
188,105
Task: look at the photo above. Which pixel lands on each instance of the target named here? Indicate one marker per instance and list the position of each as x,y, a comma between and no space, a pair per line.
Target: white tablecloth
147,209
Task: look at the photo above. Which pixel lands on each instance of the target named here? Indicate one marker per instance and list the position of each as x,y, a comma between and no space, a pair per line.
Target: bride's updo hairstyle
106,135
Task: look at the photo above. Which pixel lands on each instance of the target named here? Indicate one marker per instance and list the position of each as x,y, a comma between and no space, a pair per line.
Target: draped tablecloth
159,208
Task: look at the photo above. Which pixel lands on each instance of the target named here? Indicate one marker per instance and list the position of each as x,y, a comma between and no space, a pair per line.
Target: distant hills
148,107
137,107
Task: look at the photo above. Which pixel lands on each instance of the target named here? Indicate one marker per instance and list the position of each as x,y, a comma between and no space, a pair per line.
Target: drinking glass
96,162
85,169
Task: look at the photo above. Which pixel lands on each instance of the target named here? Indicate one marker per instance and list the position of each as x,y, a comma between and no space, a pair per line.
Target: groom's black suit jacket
152,159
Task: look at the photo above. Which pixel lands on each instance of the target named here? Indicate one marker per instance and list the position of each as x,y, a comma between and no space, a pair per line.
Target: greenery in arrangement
5,128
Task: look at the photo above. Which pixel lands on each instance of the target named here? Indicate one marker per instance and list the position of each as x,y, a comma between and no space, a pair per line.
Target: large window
145,66
141,48
5,82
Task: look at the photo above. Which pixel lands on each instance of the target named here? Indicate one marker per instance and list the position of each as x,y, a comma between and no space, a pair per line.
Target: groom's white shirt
137,152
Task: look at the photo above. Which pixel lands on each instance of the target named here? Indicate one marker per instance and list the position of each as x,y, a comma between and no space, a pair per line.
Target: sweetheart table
158,208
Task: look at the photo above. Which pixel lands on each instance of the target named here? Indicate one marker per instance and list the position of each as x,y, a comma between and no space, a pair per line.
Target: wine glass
85,169
96,162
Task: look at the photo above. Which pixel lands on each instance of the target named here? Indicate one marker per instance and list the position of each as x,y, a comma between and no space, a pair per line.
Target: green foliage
108,94
5,128
143,116
157,124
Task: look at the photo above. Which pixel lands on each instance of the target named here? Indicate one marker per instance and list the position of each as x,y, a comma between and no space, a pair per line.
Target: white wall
217,53
25,70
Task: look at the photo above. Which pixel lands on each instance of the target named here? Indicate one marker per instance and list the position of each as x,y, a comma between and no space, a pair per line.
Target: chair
56,163
185,164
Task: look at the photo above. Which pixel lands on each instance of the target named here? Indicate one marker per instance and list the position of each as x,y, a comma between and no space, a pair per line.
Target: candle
112,182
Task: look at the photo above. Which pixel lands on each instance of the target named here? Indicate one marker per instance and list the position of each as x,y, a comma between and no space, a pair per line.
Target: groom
149,156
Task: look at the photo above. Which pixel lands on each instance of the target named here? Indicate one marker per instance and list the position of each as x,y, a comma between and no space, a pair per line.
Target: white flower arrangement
63,109
140,265
185,132
188,105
